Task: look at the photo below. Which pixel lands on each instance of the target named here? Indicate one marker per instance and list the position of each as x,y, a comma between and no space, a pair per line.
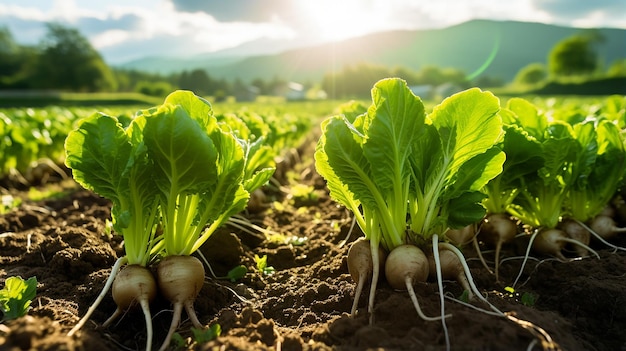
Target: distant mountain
492,48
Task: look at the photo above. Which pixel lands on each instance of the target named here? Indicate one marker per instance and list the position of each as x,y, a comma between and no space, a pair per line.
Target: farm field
60,233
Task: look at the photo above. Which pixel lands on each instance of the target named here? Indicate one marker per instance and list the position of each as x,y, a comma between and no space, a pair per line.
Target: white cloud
109,38
122,29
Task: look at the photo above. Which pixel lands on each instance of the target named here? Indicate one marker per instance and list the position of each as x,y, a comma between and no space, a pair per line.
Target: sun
333,20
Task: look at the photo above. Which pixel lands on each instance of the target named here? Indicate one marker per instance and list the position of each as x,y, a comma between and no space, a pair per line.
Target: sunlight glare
338,19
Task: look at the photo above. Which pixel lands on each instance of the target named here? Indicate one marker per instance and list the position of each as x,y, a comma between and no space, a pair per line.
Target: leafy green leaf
392,124
112,162
99,154
16,296
528,299
237,273
454,159
198,170
528,117
202,336
183,154
195,106
340,160
468,125
261,265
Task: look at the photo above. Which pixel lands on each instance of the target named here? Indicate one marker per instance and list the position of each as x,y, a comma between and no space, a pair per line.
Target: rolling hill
492,48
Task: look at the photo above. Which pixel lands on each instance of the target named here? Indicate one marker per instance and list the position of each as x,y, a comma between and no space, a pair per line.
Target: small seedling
178,341
205,335
9,202
261,265
237,273
16,296
200,336
528,299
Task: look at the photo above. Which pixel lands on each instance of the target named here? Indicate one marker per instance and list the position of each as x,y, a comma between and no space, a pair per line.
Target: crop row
32,139
422,185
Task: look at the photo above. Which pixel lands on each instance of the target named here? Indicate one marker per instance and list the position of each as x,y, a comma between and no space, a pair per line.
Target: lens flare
489,60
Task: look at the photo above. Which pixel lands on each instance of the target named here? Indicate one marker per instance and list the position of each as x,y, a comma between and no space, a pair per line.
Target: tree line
574,57
65,60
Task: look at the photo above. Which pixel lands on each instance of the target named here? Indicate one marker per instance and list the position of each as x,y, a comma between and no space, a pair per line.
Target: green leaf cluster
401,170
16,296
174,167
555,168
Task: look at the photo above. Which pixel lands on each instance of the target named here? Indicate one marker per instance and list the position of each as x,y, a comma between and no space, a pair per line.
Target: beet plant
599,172
176,168
523,156
409,176
113,162
581,167
199,167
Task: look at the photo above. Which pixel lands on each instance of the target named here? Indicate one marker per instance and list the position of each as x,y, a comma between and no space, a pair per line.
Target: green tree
617,68
69,62
531,74
574,56
9,52
407,74
16,62
197,81
154,88
434,75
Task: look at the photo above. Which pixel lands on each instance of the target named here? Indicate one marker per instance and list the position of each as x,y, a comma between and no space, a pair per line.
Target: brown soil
305,304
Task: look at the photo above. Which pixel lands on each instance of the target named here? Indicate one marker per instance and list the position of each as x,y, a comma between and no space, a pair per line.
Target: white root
360,266
451,268
435,239
116,268
375,273
552,241
405,266
468,275
600,238
535,330
575,231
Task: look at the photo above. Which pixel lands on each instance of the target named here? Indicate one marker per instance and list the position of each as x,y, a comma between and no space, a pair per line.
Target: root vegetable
361,266
134,285
405,266
180,279
498,229
461,236
451,268
552,241
574,230
605,226
609,211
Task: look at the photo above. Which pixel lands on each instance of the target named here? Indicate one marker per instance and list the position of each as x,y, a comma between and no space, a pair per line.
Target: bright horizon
123,30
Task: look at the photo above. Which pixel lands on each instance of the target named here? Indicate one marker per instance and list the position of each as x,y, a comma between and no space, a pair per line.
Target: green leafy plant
9,202
523,156
528,299
113,162
237,273
174,167
201,336
16,297
261,265
409,176
579,168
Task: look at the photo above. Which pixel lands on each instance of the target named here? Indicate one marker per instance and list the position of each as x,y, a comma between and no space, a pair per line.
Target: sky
123,30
